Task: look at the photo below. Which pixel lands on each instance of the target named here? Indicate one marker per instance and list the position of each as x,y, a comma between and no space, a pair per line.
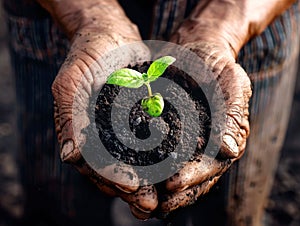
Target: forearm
229,22
101,15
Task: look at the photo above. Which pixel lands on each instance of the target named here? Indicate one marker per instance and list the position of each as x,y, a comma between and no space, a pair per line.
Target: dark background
283,207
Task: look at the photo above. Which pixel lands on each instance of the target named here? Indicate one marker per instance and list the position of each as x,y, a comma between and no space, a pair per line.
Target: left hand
216,31
199,175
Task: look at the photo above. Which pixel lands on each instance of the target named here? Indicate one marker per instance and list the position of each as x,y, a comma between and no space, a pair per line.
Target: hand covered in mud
200,174
85,71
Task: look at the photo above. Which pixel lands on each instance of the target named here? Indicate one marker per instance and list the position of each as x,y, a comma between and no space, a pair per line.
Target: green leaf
126,77
158,67
153,105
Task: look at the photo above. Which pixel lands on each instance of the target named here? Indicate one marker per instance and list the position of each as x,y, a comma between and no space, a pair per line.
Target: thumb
70,115
235,82
143,202
84,72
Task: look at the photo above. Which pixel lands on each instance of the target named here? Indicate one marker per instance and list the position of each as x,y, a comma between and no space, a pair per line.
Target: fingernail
123,189
141,215
183,188
231,144
140,209
66,150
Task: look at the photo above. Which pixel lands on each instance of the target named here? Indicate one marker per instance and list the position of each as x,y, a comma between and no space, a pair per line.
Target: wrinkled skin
83,73
216,31
77,79
198,176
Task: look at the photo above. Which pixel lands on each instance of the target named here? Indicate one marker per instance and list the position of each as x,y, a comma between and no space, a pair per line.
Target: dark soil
168,124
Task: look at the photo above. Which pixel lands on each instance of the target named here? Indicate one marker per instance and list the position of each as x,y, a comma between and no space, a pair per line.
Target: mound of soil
168,125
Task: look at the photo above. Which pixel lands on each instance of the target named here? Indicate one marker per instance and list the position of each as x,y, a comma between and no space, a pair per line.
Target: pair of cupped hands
83,73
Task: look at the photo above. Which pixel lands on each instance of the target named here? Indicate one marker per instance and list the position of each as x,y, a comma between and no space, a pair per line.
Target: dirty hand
99,29
200,174
216,31
217,46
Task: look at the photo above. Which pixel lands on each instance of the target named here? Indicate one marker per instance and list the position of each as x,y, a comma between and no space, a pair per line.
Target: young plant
153,104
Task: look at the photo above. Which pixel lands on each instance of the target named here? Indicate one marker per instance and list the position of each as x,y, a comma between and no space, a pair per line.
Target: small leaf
153,105
158,67
126,77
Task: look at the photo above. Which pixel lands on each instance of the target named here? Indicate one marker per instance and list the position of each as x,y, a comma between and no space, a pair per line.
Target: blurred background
283,207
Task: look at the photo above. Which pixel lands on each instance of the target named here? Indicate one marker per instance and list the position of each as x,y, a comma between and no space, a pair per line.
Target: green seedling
153,104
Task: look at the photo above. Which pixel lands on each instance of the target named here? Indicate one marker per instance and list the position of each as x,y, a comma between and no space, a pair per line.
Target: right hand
83,73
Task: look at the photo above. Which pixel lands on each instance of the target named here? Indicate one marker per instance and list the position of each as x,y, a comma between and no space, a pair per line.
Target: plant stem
149,89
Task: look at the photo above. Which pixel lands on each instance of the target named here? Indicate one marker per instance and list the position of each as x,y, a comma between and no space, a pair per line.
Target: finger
197,171
171,202
141,215
144,200
119,178
86,170
70,115
107,189
237,89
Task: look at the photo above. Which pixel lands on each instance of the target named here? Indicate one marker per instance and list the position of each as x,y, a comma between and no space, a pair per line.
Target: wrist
229,23
100,16
214,22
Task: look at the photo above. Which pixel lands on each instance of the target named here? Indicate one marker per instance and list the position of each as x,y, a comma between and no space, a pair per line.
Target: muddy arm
231,23
103,15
